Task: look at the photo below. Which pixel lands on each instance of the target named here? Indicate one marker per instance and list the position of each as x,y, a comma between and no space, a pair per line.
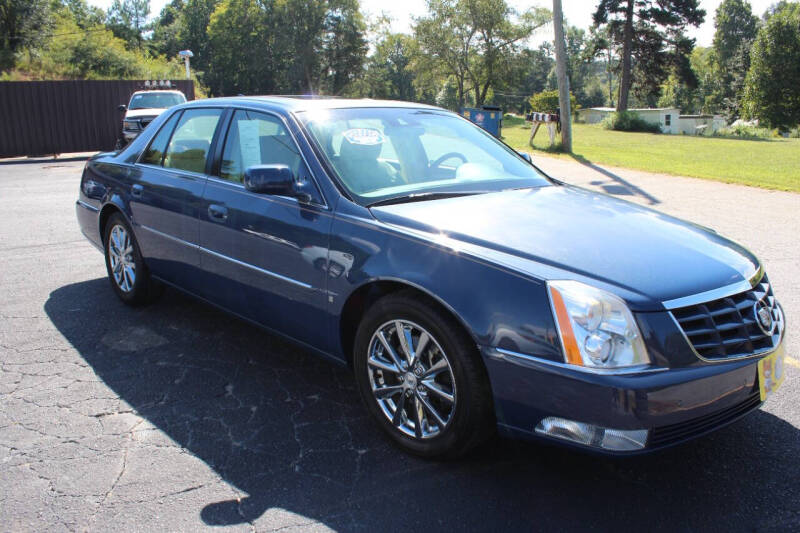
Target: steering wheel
447,156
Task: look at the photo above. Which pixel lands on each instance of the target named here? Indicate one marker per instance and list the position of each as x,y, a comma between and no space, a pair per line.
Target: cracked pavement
179,417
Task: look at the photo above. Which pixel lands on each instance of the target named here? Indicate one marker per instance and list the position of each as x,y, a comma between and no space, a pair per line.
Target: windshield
385,153
156,100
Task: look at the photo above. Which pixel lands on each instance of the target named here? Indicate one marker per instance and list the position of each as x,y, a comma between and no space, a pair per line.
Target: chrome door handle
136,190
218,212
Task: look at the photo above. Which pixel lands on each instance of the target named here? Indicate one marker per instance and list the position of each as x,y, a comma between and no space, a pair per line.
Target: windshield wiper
423,196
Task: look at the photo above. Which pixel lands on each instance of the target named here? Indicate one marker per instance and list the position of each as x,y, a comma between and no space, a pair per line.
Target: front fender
499,308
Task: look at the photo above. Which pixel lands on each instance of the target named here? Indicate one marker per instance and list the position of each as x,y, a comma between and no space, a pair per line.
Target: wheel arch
106,211
366,294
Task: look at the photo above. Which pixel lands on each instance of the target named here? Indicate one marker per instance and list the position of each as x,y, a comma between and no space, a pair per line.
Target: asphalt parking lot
179,417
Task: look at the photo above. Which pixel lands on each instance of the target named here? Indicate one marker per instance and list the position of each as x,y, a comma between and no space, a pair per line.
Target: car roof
145,91
298,103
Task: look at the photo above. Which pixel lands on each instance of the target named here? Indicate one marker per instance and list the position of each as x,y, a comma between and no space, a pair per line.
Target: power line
12,37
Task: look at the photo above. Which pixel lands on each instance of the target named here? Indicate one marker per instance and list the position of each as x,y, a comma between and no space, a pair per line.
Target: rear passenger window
155,152
191,142
258,139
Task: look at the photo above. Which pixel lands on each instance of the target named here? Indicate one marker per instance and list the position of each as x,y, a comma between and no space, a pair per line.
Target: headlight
596,327
130,125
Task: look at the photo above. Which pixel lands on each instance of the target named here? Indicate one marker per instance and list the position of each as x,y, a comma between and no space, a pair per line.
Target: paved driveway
179,417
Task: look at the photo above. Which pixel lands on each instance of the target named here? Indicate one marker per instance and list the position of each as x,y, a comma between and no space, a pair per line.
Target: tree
389,69
193,31
167,29
772,87
563,79
650,36
497,36
344,47
84,15
128,20
23,24
602,45
473,42
446,40
240,49
288,46
736,29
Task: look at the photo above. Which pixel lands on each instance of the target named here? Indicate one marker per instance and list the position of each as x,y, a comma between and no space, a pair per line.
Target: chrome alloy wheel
411,379
120,254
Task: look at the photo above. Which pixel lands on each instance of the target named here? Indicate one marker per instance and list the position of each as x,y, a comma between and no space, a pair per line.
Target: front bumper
674,404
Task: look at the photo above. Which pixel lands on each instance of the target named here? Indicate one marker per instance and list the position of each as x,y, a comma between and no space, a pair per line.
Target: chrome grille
728,327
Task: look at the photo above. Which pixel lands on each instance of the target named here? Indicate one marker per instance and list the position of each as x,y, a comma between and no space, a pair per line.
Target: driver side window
258,139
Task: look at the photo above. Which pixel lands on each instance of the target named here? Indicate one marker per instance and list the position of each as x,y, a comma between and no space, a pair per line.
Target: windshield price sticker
363,136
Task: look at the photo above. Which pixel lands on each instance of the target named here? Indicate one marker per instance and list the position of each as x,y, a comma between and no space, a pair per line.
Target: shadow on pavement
287,429
619,186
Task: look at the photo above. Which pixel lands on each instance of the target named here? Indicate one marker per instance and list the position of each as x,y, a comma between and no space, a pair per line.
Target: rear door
265,256
167,191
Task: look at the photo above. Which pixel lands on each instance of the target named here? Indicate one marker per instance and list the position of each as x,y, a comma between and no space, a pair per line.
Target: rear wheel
127,272
421,377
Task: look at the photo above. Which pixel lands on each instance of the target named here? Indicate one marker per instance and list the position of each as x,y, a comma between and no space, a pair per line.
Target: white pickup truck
143,108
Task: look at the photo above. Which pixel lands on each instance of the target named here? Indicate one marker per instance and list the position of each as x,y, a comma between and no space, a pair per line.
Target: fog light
591,435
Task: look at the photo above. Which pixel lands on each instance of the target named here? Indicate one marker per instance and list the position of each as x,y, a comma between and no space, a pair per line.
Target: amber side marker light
571,350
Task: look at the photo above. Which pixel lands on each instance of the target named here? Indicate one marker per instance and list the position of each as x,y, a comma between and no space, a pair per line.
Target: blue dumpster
487,117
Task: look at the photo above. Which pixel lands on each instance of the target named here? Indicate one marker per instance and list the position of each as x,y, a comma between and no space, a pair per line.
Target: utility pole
563,80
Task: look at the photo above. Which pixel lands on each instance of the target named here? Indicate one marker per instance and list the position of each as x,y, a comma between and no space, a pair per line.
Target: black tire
144,288
471,420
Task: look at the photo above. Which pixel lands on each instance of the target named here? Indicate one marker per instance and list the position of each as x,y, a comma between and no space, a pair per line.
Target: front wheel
421,377
126,270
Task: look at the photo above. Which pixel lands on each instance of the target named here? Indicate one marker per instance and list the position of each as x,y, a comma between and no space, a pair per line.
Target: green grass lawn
771,164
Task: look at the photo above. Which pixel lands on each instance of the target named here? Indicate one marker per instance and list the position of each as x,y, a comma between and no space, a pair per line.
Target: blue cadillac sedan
468,291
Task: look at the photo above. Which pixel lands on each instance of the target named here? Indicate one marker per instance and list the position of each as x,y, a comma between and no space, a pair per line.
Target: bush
547,102
744,131
795,133
629,121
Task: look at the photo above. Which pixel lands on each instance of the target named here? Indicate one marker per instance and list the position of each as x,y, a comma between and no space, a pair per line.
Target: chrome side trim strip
87,206
231,259
257,269
715,294
170,237
501,353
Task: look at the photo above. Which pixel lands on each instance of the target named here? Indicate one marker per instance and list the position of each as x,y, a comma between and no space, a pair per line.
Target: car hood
146,112
564,232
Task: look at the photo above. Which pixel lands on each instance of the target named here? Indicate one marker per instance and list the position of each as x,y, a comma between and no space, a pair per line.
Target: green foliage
289,46
547,102
744,131
390,73
736,29
772,89
90,53
795,133
128,20
473,42
649,36
23,24
629,121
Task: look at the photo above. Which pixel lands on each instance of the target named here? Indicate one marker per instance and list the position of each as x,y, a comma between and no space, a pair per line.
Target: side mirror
122,108
276,180
526,156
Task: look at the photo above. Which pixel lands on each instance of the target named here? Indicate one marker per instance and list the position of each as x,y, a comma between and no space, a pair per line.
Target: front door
265,257
166,193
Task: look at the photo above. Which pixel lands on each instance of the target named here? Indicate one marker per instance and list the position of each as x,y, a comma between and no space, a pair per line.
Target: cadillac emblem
763,315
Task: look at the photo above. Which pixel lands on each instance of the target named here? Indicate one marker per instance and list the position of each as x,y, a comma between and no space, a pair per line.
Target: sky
577,12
